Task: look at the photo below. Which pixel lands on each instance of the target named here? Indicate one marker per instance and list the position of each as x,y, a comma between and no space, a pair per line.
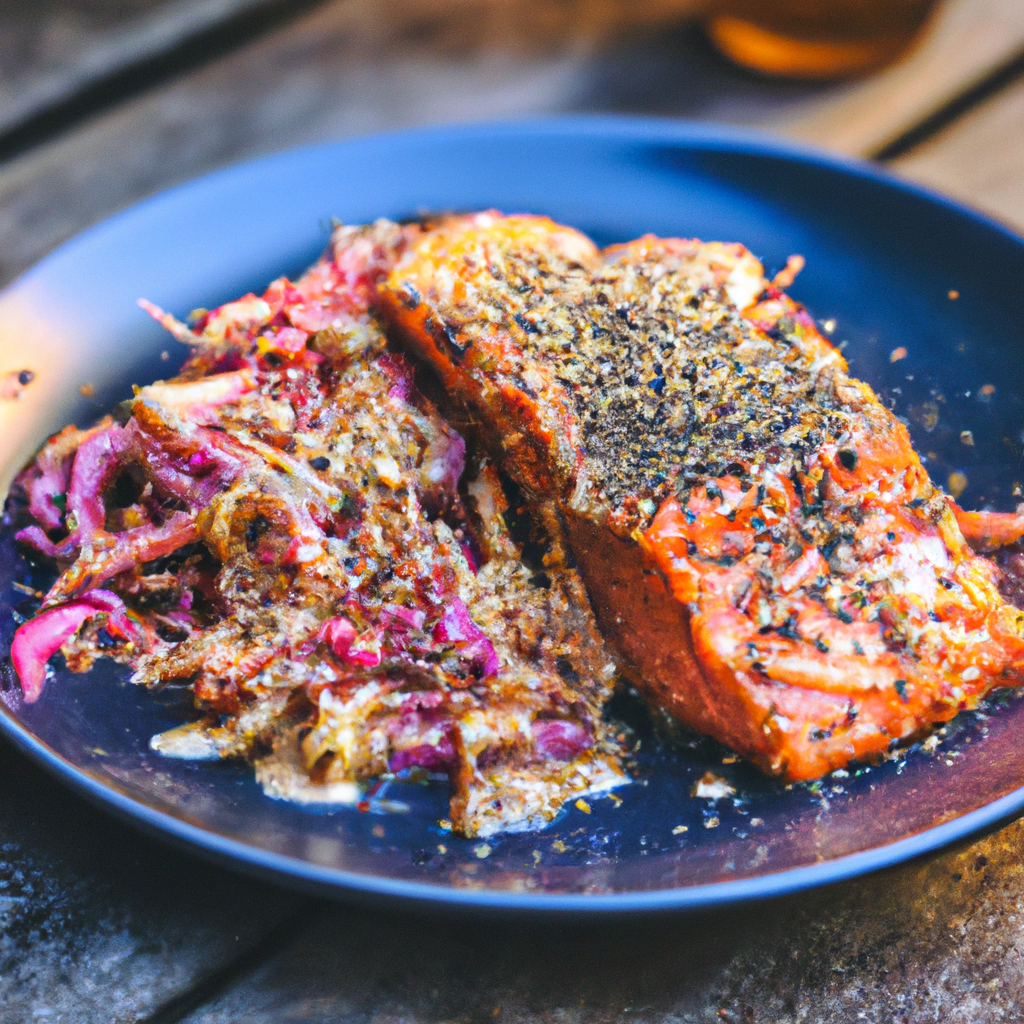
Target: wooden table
106,101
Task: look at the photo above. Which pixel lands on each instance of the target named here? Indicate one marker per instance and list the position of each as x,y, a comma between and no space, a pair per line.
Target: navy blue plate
883,259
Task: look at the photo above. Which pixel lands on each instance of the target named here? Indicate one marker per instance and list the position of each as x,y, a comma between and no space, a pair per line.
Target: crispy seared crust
757,535
534,430
640,618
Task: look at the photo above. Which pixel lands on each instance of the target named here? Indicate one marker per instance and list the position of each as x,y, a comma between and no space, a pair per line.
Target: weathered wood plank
345,70
356,66
980,159
51,48
99,925
941,942
966,41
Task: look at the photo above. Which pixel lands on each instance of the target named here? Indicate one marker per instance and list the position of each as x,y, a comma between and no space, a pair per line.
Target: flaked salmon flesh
759,540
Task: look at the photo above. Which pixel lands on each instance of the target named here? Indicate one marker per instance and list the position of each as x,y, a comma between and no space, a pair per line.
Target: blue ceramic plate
882,260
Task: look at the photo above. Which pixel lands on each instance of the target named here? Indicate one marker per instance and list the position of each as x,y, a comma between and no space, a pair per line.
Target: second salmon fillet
759,539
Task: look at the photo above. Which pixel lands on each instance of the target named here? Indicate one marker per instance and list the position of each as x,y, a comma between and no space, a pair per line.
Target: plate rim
336,883
344,884
646,128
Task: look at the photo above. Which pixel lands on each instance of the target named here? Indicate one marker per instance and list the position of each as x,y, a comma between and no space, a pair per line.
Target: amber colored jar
815,38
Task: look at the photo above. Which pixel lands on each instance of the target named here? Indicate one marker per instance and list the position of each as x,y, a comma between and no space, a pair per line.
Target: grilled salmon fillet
289,529
758,537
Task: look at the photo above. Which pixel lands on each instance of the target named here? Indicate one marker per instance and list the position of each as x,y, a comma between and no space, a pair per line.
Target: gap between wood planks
999,79
132,80
215,41
248,960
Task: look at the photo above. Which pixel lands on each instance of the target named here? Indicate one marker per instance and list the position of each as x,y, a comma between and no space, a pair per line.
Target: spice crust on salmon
758,537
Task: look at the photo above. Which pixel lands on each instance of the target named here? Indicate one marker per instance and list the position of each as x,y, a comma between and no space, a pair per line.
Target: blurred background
105,101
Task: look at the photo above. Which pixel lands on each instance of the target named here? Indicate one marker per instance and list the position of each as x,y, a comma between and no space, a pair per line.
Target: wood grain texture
965,42
980,159
941,942
345,70
51,48
99,925
358,66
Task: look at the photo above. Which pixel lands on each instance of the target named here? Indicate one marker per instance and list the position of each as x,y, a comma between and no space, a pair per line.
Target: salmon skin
761,543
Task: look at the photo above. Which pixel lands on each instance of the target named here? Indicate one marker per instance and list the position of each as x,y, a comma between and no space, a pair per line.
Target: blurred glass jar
815,38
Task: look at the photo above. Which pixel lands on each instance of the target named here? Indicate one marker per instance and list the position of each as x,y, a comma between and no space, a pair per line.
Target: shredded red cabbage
96,462
48,479
37,640
123,552
456,627
339,633
561,740
411,618
434,757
